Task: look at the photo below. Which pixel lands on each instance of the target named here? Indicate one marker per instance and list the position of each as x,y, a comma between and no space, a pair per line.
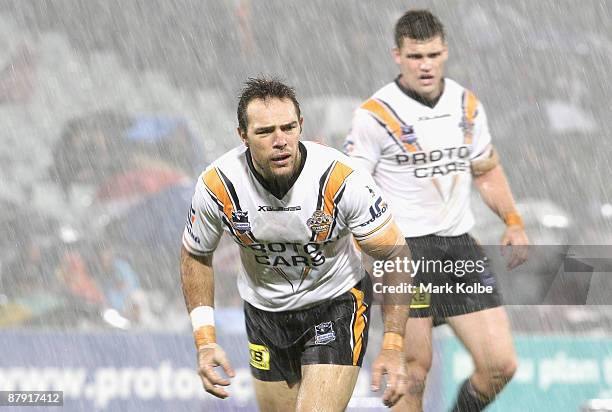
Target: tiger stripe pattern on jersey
331,189
359,322
393,124
222,191
469,107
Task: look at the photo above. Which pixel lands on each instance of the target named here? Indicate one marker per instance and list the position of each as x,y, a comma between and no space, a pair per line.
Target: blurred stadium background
111,108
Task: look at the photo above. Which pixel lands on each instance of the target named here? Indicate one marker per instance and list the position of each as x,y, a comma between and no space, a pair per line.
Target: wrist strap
514,219
205,335
393,341
202,316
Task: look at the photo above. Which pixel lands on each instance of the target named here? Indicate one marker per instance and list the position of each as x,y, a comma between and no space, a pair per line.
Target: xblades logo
278,208
424,118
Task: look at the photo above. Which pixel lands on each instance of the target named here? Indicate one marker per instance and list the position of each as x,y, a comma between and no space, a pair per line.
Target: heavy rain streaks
112,109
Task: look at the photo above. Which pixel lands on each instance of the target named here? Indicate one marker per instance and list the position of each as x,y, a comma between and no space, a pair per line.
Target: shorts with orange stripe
333,332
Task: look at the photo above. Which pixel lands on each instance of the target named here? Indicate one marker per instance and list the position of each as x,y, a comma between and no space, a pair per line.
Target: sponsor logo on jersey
445,161
191,218
259,356
376,211
319,222
371,191
324,333
442,170
194,237
408,135
277,254
424,158
278,208
240,221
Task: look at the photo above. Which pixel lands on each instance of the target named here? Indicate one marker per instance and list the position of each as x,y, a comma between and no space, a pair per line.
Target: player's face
272,135
421,64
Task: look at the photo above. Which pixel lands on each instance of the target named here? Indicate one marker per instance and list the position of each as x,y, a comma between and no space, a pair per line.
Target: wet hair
263,88
418,25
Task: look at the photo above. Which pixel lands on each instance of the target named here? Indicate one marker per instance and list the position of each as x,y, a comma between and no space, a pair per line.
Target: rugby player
425,139
293,208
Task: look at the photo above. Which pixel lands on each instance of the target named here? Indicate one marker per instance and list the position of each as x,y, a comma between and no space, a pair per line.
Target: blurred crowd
115,263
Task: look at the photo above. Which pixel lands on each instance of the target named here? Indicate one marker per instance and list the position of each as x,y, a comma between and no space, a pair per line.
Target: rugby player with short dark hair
294,209
425,139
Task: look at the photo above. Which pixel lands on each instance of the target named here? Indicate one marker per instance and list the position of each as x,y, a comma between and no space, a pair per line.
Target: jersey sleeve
203,228
363,207
364,142
481,143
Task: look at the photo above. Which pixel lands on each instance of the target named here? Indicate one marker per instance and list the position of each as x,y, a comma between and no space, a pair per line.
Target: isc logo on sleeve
260,356
376,211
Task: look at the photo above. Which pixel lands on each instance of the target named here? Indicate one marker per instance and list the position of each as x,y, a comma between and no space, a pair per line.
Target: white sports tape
202,316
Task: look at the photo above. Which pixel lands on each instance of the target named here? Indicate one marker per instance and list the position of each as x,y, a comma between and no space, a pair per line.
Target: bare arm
495,191
199,291
389,246
198,280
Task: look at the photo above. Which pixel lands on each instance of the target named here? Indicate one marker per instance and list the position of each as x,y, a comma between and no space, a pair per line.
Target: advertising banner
555,373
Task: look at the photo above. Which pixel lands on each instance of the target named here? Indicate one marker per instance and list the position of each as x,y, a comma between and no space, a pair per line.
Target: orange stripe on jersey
334,182
213,182
359,324
393,124
470,104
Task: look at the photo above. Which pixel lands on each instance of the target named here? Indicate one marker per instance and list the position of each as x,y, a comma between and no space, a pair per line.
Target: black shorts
449,285
333,332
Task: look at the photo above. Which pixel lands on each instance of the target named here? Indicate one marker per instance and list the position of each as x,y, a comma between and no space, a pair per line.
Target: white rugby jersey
296,251
420,157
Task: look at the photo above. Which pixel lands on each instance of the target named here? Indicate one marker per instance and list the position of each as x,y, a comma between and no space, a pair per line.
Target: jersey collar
271,188
415,96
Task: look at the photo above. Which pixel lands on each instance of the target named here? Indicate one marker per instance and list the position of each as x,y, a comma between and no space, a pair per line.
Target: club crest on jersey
319,222
408,135
240,221
324,333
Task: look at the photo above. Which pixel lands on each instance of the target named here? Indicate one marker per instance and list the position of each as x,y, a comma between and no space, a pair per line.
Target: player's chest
300,217
429,131
429,137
